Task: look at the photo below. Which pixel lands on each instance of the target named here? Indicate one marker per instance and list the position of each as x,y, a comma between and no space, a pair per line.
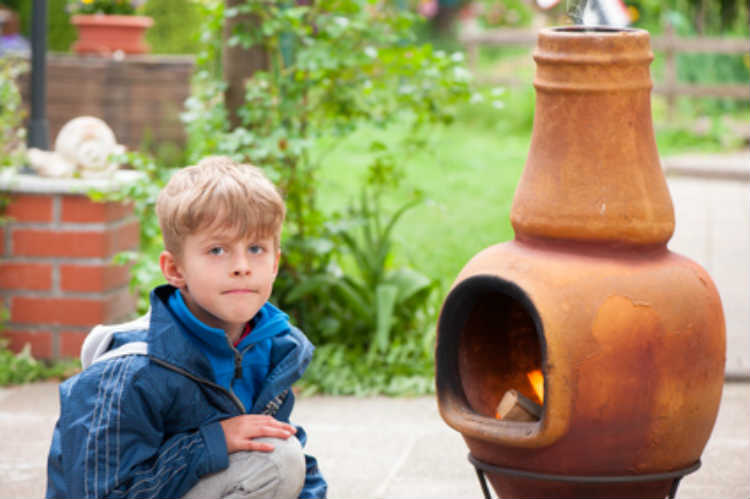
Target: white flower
371,52
476,98
461,74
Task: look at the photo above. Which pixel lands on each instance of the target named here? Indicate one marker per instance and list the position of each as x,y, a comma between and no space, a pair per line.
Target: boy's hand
240,432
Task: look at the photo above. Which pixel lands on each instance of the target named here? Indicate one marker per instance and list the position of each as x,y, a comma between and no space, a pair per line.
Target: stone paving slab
431,462
729,166
712,222
372,447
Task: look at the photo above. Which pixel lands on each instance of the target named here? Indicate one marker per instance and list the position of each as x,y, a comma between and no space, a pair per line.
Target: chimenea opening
491,343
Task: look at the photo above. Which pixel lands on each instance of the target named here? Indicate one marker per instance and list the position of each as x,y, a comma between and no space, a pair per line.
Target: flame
536,378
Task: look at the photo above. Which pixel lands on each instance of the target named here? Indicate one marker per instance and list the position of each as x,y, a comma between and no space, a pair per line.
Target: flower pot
105,34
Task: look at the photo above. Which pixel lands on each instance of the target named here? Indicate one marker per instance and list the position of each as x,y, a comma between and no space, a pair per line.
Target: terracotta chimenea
628,336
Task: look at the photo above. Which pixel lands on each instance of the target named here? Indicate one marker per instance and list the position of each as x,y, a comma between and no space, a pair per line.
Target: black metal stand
676,475
38,126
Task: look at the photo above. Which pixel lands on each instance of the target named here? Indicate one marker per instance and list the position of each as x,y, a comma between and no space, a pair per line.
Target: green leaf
385,301
312,284
408,282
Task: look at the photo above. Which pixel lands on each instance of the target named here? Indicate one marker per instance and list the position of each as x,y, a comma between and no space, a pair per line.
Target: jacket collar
168,342
290,352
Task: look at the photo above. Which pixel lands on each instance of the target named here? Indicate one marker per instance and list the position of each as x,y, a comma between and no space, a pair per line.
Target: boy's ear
171,270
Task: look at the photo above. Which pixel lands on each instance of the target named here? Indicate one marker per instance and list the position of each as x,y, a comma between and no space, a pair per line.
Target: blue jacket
243,368
148,425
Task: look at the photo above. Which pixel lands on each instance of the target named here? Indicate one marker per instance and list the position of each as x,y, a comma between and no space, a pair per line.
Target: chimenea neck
593,172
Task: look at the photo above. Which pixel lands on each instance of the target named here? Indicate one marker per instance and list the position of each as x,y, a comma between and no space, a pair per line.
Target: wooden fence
669,44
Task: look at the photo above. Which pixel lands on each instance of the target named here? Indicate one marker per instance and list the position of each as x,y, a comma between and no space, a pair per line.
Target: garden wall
140,97
57,279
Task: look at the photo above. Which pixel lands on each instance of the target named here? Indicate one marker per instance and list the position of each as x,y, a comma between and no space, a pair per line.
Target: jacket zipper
176,369
238,359
237,364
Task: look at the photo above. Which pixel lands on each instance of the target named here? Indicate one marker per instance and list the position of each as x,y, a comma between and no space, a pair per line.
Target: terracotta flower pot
628,335
105,34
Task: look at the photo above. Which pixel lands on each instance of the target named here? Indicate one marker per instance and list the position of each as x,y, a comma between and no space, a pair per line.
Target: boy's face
223,281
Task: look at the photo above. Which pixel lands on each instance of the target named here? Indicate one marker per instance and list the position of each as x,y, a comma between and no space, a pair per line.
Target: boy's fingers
255,419
271,431
252,445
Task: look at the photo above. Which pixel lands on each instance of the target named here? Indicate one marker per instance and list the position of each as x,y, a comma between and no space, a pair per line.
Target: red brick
71,311
40,341
30,208
76,244
33,276
71,342
81,209
93,278
126,237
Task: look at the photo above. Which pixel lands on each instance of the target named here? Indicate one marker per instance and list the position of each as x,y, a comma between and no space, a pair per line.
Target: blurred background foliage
397,168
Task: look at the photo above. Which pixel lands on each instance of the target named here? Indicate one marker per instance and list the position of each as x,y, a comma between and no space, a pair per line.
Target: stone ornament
82,149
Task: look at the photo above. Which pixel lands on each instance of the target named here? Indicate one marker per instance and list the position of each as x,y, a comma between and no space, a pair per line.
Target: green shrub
60,33
22,367
12,130
176,28
336,66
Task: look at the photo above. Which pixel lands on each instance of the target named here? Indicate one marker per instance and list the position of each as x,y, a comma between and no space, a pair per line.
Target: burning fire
514,406
537,382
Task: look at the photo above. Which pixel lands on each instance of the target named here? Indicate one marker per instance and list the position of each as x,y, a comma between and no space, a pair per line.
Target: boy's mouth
238,291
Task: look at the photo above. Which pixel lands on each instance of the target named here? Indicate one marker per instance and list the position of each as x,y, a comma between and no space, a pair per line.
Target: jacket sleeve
114,443
315,485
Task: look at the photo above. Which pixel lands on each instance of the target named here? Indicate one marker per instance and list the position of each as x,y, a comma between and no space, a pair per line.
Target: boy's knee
289,462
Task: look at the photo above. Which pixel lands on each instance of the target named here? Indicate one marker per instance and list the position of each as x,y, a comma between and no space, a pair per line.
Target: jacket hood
99,340
269,321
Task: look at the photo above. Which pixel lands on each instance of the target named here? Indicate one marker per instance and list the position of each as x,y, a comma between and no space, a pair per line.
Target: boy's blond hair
217,192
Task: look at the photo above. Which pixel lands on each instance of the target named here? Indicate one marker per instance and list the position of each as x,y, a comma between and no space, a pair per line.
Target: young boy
193,399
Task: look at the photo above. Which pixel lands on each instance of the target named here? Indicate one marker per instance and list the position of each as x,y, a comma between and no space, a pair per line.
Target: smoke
598,12
575,9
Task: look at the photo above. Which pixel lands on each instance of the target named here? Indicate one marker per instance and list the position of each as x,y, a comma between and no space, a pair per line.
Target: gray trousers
279,474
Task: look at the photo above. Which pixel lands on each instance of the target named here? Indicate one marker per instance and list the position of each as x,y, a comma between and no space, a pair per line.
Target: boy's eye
255,249
217,250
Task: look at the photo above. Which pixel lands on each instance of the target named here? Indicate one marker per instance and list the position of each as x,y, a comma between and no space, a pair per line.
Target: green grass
468,175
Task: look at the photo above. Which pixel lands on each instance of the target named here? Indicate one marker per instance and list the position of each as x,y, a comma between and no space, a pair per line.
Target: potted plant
108,26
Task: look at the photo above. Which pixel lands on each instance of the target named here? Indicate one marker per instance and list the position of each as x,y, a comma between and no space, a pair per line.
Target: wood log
514,406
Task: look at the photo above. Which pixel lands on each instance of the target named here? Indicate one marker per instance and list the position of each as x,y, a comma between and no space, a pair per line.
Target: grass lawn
469,174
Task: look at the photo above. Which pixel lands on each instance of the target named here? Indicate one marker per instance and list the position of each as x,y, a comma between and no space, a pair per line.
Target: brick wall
139,96
56,276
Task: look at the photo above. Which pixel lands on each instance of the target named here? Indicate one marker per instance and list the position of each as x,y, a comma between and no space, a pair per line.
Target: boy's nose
241,267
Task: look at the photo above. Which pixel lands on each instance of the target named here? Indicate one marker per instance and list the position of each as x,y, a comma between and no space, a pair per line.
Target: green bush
176,28
60,33
12,130
336,66
22,367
